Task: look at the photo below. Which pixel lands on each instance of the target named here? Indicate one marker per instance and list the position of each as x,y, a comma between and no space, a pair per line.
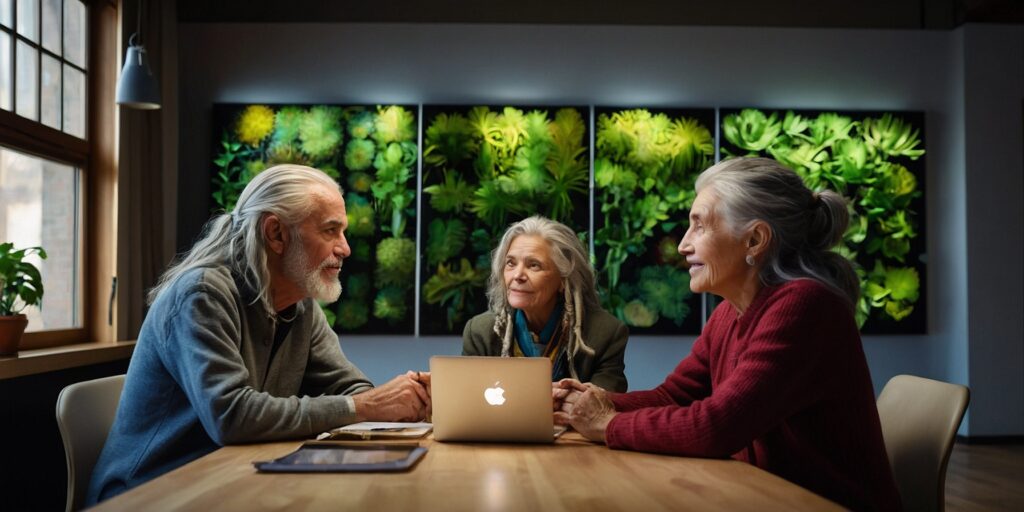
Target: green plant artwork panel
875,160
485,167
372,152
645,165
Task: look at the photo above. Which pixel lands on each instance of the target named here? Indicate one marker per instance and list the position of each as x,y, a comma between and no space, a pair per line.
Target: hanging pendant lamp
137,87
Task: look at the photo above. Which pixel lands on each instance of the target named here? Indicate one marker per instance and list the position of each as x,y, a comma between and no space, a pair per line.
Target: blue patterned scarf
550,336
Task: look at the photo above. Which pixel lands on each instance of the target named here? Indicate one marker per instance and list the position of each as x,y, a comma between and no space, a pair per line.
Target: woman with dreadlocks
543,303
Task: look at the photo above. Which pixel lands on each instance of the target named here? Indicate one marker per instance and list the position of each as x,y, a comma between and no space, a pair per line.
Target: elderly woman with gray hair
778,376
543,303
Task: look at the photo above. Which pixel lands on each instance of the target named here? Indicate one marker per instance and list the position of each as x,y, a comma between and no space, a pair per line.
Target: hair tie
815,201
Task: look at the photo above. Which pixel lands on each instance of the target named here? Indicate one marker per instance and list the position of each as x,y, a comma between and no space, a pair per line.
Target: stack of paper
378,430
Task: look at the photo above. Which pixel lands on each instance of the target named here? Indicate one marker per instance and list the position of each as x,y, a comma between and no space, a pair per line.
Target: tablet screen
311,455
324,457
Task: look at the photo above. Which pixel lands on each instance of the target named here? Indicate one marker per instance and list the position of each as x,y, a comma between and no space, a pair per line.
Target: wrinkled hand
424,379
584,406
560,392
403,398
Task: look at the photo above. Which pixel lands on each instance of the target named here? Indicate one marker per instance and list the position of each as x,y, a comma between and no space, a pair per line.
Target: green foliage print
484,168
232,174
645,165
865,158
372,152
455,288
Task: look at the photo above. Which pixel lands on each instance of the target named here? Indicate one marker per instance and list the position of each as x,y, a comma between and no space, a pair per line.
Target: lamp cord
138,20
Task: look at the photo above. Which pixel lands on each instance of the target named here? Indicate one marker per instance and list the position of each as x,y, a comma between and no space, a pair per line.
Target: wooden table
572,474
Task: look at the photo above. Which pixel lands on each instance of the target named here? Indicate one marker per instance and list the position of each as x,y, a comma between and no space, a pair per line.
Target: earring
750,260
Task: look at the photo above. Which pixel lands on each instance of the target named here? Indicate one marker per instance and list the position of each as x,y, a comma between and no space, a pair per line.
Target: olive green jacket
601,331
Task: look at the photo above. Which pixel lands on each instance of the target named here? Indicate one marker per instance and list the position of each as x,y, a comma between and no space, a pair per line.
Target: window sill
31,362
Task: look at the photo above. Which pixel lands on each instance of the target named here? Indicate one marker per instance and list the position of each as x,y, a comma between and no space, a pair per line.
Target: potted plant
20,286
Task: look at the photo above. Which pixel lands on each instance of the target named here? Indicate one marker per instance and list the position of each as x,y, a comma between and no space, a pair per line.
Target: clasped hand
584,406
403,398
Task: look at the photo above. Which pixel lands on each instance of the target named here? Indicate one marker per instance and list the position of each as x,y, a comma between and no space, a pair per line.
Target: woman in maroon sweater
778,377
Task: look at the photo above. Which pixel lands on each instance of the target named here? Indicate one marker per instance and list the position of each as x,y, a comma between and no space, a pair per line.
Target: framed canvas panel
372,151
485,167
877,161
645,163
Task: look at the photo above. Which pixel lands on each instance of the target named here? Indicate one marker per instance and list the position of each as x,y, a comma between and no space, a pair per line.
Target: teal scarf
549,336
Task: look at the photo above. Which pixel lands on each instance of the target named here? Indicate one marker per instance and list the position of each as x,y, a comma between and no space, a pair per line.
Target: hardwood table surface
571,474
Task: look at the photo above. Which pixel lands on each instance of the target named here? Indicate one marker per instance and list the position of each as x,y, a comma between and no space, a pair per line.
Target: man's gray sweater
202,377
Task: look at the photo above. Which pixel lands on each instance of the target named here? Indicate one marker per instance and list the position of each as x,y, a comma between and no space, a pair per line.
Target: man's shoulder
216,275
206,279
197,295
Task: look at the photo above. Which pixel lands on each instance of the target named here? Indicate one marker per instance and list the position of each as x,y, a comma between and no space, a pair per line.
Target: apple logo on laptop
495,395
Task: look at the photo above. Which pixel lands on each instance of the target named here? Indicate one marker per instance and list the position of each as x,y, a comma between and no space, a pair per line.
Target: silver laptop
492,399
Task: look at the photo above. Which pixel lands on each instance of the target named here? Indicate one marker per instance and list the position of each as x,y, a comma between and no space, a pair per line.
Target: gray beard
298,269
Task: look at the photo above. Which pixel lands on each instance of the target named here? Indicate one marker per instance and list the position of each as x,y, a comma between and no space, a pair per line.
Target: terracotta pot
11,329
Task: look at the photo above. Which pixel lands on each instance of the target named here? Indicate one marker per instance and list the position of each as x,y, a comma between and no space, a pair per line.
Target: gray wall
994,91
931,71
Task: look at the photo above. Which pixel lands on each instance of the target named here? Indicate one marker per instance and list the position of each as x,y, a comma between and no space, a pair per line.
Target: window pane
6,75
51,25
39,206
6,17
74,32
74,102
28,19
27,79
50,92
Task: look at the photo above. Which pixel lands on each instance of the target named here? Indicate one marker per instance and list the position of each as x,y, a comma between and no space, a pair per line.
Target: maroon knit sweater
785,387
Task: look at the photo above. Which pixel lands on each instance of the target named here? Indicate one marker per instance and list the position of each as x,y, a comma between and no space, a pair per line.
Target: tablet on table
326,457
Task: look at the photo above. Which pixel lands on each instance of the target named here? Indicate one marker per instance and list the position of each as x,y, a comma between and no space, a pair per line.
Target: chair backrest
85,412
920,418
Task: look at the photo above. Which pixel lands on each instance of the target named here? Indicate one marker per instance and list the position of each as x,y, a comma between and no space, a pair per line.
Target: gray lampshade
137,87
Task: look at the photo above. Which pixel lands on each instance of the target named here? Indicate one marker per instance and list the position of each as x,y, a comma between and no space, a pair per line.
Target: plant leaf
445,239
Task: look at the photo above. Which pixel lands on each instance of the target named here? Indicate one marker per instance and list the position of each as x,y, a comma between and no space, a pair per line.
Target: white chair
920,418
85,412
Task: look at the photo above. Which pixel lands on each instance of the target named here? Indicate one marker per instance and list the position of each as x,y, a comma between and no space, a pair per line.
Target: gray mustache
331,263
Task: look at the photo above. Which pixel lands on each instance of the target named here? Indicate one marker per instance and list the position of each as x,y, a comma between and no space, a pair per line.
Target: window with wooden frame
52,181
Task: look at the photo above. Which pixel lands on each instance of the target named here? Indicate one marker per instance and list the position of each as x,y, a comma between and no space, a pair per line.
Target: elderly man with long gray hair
235,348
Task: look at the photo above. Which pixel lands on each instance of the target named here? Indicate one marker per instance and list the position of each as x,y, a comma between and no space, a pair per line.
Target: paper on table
378,430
